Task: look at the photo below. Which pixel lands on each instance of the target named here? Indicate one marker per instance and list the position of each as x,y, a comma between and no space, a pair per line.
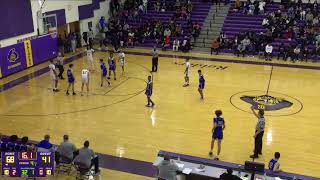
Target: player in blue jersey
201,83
149,92
112,65
274,164
104,72
217,132
71,79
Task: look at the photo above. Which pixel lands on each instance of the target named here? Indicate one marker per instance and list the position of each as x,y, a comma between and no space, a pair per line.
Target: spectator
237,5
167,170
90,38
268,52
88,158
176,44
59,65
66,150
229,176
45,145
131,38
215,46
167,32
73,39
12,144
24,144
296,53
274,164
166,43
61,45
282,52
240,49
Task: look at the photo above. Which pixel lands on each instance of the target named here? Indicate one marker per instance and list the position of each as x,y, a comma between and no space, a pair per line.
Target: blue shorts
217,135
71,81
104,74
201,86
112,68
148,93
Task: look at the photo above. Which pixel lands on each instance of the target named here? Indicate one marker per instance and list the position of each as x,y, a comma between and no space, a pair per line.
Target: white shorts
90,59
85,80
53,77
122,62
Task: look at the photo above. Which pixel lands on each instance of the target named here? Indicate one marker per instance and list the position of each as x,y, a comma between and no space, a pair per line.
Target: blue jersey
272,163
149,88
218,131
201,82
70,76
112,64
103,69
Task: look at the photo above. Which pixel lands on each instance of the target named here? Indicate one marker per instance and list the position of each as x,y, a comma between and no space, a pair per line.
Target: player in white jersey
122,60
186,73
54,76
90,59
85,80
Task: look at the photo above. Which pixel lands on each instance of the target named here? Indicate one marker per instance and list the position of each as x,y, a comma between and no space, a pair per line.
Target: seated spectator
305,53
176,44
237,5
265,22
12,144
157,6
215,46
45,145
268,52
240,49
229,176
24,144
274,164
88,158
185,47
282,52
296,53
167,170
166,43
131,38
66,151
167,32
189,6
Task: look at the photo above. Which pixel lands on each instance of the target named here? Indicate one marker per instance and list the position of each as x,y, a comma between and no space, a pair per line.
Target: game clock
27,164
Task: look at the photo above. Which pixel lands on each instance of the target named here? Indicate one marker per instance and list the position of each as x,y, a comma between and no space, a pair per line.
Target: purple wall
85,11
44,48
13,58
15,17
61,16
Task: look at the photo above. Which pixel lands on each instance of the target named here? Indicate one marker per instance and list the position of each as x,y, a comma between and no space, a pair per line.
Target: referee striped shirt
260,124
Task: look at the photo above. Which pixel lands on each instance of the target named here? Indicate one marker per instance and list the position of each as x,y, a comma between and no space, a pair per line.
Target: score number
10,159
46,159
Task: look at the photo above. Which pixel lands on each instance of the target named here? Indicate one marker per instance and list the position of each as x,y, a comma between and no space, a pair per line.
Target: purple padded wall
16,18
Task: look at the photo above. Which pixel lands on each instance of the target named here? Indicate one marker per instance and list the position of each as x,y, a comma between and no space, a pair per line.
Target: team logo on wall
266,102
13,55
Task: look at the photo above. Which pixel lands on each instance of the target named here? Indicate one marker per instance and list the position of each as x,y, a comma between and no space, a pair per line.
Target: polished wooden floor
116,121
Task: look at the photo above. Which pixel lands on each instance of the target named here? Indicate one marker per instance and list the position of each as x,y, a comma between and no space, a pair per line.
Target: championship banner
28,51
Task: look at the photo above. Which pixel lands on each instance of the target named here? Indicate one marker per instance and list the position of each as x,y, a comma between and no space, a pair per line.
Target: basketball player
274,164
149,92
59,65
122,60
90,59
186,73
85,80
54,76
112,65
217,132
71,80
104,72
201,83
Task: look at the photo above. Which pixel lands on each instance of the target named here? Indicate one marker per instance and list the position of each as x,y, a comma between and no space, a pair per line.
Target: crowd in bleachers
294,28
178,31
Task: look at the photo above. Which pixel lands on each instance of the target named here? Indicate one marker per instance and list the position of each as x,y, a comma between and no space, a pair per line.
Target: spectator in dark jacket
229,176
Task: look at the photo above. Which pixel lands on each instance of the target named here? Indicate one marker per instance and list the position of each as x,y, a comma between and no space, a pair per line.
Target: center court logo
266,102
274,103
13,55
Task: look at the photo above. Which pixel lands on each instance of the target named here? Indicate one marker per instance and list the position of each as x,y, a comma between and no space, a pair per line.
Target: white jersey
122,58
52,67
89,55
187,68
85,75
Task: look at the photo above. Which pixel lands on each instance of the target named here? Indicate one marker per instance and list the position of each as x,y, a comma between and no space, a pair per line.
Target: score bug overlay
27,164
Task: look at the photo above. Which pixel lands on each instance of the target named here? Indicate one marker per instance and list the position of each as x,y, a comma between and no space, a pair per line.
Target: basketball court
116,122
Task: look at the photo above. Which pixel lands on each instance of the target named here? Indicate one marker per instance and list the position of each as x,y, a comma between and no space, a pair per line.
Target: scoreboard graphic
27,164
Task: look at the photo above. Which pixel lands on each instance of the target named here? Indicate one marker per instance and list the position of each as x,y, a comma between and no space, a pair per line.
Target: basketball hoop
53,32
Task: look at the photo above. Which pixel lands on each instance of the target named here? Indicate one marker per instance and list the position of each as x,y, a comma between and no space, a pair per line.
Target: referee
258,133
155,56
